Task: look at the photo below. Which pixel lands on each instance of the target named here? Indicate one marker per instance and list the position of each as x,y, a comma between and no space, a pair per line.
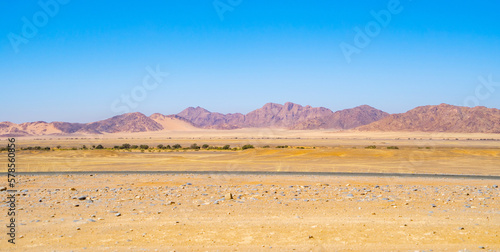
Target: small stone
3,188
228,196
72,189
82,197
118,214
494,186
433,205
78,228
461,228
310,237
481,247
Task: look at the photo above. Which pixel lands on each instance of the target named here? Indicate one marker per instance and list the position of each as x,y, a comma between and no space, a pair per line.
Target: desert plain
326,191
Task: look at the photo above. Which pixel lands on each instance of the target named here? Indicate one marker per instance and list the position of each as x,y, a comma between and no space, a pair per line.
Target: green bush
125,146
160,146
100,147
282,146
226,147
266,146
205,146
247,146
393,147
144,147
194,146
371,147
176,146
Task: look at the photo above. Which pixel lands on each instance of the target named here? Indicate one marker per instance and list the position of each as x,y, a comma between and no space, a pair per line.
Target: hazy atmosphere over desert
233,125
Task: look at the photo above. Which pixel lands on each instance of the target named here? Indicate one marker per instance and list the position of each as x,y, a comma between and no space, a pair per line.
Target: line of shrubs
179,147
388,147
36,148
127,146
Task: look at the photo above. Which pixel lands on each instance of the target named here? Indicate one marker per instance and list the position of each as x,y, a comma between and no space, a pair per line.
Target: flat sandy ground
268,212
335,152
183,212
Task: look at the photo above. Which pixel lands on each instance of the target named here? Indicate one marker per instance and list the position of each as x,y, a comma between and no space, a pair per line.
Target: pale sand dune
174,124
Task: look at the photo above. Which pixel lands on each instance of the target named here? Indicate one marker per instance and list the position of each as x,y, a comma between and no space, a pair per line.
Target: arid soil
203,212
107,209
459,160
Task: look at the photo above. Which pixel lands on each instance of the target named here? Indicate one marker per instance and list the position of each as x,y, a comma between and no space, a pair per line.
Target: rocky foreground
166,212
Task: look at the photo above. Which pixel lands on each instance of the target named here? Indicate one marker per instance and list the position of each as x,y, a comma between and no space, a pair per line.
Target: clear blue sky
87,54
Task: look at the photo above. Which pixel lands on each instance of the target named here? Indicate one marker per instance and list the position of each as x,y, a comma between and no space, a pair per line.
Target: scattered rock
3,188
228,196
82,197
118,214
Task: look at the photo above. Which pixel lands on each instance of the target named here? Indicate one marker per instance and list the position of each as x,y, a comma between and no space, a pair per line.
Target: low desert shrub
247,146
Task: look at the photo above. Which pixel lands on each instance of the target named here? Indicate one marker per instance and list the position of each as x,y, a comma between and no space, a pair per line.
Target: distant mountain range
439,118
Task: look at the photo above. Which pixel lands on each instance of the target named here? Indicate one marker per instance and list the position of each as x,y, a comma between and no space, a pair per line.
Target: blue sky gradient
90,53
